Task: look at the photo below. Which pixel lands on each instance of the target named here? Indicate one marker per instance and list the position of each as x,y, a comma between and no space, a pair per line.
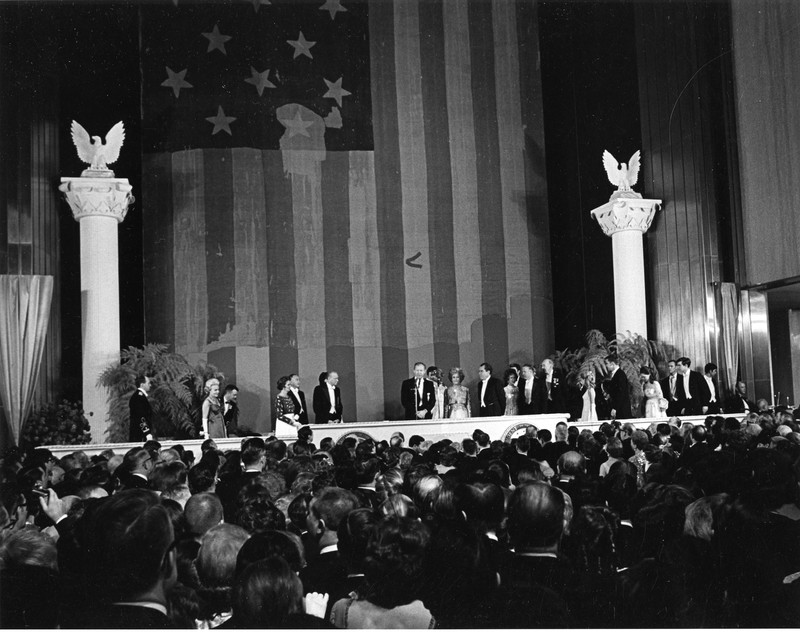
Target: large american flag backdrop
351,186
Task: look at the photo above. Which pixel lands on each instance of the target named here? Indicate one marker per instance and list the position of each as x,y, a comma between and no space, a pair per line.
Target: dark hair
265,594
354,533
258,513
544,435
201,478
332,505
685,361
393,566
202,512
486,367
612,357
535,515
266,544
593,533
508,374
141,378
322,377
483,503
470,446
304,433
709,367
645,370
230,388
282,382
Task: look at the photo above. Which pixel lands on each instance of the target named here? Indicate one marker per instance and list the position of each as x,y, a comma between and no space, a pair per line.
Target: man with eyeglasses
137,464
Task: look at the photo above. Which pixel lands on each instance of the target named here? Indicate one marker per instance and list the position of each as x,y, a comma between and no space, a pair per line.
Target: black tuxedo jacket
495,398
322,404
619,394
674,406
300,404
554,402
735,404
141,418
698,389
408,397
523,406
231,418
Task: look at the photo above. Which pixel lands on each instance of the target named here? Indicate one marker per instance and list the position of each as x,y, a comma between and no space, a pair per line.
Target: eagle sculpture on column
622,176
97,153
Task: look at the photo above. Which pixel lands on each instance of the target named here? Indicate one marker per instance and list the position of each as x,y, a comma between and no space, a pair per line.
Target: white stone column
98,205
625,218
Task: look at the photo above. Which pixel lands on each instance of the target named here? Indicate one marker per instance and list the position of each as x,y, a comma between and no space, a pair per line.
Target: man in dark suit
668,388
140,428
527,391
550,391
714,400
617,389
327,400
738,402
418,395
692,389
299,399
491,400
230,409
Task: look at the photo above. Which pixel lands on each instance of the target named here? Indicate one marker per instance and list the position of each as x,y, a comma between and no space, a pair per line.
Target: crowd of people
677,525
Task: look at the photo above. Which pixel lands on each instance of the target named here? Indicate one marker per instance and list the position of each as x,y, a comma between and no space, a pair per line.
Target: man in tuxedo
527,393
668,388
299,399
140,428
328,400
710,376
692,391
617,389
550,394
739,403
491,396
418,395
230,409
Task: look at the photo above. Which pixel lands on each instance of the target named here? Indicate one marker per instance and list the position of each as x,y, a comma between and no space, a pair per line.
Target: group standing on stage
522,391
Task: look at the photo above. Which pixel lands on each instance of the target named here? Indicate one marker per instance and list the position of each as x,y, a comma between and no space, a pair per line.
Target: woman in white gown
589,396
653,397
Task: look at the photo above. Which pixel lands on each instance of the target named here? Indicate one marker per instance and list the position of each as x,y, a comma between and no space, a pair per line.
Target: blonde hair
209,383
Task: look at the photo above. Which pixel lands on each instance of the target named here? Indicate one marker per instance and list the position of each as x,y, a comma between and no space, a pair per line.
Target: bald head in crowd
202,512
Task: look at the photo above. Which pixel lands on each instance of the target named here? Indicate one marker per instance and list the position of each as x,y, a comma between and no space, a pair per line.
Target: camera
40,491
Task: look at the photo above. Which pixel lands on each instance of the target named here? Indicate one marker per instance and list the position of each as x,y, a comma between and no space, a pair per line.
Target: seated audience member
535,583
216,563
394,570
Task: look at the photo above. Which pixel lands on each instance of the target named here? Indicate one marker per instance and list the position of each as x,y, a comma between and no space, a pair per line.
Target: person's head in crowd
169,479
28,547
297,513
470,446
593,533
530,473
266,544
254,456
175,512
762,405
706,515
481,438
169,455
639,439
201,479
510,377
561,431
388,483
434,374
266,594
56,474
114,462
128,548
216,559
660,516
544,436
619,488
448,456
139,461
202,512
398,506
571,465
354,533
497,472
394,565
614,448
305,435
483,504
256,512
522,444
327,444
415,441
536,518
425,491
208,445
327,510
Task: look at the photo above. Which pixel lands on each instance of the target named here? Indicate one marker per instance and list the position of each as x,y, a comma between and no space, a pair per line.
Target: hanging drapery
24,316
729,336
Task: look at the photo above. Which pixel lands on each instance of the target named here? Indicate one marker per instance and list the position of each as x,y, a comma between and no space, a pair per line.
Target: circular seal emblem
515,430
357,434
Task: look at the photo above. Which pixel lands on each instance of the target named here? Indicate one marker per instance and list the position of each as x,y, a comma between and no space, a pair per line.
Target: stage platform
502,428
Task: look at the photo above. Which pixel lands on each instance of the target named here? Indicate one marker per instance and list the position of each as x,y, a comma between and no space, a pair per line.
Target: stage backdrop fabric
352,186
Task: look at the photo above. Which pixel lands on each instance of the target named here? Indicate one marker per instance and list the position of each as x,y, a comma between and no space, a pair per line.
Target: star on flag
216,40
332,7
297,125
221,122
176,81
335,91
301,46
260,80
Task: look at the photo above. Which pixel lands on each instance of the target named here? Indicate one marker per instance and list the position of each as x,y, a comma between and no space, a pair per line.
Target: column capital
97,197
626,210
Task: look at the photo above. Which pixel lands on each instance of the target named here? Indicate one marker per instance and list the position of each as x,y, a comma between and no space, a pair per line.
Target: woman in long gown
511,391
213,419
653,397
589,396
458,406
434,374
284,405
